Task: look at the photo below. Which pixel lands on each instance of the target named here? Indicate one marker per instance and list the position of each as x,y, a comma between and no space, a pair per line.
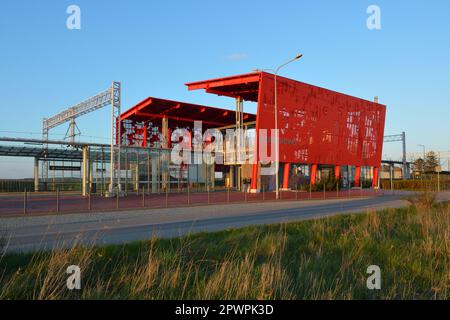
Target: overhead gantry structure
400,137
110,96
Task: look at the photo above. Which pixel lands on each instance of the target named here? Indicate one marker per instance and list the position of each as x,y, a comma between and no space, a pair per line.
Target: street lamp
277,144
277,160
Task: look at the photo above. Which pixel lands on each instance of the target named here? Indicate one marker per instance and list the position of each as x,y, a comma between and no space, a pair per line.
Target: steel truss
400,137
114,185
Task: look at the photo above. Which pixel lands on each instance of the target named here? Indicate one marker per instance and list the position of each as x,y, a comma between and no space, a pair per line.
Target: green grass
318,259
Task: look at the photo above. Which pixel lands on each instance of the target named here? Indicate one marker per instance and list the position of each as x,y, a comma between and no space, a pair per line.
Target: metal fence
58,202
139,192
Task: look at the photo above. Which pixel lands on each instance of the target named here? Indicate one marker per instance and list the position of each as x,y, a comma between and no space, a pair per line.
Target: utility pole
400,137
405,165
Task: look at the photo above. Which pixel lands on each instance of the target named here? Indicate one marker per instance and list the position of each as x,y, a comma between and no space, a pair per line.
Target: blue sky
154,47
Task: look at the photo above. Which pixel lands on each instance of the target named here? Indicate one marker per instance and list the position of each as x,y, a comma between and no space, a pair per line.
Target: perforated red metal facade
321,126
317,126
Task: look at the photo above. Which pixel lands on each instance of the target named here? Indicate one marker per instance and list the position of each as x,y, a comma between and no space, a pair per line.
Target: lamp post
277,141
423,146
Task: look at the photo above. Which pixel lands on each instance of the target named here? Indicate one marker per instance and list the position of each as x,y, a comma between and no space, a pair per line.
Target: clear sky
154,47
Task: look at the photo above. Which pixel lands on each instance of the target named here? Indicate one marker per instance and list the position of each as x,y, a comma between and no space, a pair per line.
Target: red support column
375,177
357,176
169,138
190,140
287,167
337,172
144,139
313,174
254,183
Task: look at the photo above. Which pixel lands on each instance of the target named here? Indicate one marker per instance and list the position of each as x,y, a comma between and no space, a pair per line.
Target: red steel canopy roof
245,86
181,114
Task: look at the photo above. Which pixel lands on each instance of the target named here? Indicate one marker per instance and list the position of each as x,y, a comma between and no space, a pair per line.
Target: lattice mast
116,138
110,96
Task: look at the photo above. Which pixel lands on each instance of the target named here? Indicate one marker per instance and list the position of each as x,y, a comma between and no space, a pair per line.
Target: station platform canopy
182,114
40,152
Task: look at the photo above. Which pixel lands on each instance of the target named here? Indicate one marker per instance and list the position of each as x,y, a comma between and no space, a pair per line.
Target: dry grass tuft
423,200
319,259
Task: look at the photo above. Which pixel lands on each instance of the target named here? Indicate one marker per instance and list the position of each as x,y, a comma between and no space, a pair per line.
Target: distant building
385,172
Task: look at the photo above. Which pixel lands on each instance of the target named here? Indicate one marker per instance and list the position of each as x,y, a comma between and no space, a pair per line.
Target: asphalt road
47,232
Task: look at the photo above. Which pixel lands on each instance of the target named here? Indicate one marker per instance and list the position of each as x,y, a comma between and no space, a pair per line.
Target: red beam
160,116
220,93
177,106
227,81
136,108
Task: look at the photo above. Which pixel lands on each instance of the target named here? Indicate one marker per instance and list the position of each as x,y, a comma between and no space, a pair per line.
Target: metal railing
58,202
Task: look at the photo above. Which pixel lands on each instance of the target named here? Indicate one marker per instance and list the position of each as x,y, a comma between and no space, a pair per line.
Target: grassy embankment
319,259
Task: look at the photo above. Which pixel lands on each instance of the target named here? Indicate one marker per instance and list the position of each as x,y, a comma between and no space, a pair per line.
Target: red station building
318,128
